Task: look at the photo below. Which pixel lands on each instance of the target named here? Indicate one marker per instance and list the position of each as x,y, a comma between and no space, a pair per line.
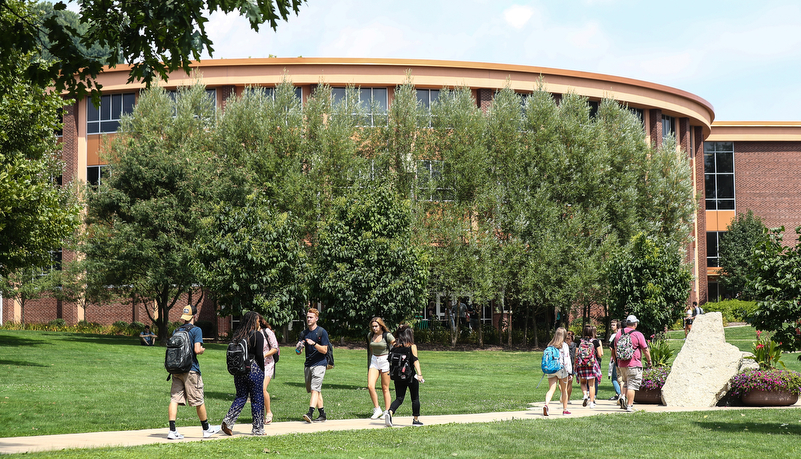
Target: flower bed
766,381
654,378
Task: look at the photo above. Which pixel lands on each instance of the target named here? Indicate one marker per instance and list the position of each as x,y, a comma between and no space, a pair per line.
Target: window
719,175
712,245
210,93
426,98
95,174
668,126
713,291
373,101
106,118
55,262
594,108
430,181
270,92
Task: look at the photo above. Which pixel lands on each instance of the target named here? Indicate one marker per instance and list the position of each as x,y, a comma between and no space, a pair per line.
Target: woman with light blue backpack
561,376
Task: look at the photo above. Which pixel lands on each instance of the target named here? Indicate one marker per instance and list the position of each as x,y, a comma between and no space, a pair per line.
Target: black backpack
180,351
329,356
237,358
400,368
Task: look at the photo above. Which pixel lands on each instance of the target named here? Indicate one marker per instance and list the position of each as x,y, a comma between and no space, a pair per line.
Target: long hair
558,338
264,324
250,322
380,323
404,336
589,332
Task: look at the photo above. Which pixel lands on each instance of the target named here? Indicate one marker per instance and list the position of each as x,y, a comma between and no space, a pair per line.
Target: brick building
737,165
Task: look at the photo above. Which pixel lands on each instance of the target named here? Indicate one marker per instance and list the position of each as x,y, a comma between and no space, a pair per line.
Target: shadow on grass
753,427
22,363
103,339
12,340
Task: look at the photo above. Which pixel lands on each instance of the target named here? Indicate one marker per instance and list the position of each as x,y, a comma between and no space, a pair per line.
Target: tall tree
736,251
36,213
775,286
143,220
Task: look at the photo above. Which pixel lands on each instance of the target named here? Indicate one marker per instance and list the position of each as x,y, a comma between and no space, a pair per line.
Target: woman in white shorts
560,377
380,340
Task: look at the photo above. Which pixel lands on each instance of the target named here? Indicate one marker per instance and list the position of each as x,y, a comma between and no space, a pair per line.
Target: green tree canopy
736,251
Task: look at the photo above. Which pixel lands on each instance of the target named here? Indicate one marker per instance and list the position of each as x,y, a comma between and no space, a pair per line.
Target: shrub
732,310
57,323
654,377
661,353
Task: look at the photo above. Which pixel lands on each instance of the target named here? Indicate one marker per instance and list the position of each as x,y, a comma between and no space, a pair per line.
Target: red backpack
585,355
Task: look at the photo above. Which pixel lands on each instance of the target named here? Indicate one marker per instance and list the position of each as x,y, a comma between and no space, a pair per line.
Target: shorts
314,378
380,363
187,389
632,377
561,374
688,321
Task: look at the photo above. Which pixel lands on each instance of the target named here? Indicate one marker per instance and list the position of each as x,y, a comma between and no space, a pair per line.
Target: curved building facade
737,165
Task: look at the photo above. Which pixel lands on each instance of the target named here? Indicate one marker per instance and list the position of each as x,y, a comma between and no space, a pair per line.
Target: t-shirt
147,336
313,356
638,342
380,347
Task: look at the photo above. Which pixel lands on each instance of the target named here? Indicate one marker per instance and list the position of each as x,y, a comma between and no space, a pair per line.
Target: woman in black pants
404,345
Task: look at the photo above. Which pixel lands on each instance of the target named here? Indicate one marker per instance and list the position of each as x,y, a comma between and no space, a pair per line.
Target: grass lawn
64,383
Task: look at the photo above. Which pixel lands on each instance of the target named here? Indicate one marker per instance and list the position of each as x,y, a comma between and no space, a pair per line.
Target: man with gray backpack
628,349
183,347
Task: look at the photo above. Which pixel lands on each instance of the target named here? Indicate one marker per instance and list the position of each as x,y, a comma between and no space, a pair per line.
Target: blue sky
741,56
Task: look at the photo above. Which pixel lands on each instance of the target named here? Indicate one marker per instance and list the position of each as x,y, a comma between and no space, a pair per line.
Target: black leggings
400,394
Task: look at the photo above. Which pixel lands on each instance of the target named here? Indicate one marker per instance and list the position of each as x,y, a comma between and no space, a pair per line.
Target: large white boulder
702,369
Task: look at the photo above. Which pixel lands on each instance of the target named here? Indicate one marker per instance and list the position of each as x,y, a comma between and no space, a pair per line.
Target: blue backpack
550,360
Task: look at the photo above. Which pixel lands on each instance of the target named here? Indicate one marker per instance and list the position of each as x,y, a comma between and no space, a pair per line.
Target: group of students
187,388
582,360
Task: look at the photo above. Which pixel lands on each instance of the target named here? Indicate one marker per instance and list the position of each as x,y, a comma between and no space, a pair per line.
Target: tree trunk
481,328
536,337
510,325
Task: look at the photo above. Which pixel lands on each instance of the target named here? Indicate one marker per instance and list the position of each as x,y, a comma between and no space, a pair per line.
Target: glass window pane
712,244
724,162
725,204
711,204
92,175
365,98
109,126
337,95
116,106
92,128
422,97
725,188
105,107
92,113
709,163
128,102
380,98
725,146
709,186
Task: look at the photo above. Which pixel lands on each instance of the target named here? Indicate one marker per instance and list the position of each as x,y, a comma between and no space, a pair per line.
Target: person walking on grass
587,368
187,388
315,339
561,376
379,342
570,339
630,368
252,384
404,345
270,351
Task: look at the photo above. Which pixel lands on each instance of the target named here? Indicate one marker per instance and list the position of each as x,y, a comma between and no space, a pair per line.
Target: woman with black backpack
406,374
251,383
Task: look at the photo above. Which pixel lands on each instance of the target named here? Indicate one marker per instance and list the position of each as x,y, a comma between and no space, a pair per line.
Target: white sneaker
591,405
629,409
376,413
388,418
174,435
211,431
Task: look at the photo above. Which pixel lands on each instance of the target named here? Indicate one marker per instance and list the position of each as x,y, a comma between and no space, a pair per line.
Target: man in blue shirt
187,388
315,338
147,337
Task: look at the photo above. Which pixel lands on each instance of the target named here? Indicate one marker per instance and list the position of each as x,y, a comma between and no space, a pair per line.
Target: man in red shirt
630,368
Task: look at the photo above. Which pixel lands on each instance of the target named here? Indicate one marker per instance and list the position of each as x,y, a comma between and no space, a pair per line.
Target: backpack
180,351
550,361
698,311
277,354
586,354
237,358
399,367
624,349
329,356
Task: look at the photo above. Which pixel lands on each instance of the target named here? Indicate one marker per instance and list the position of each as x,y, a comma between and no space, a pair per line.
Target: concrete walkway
193,433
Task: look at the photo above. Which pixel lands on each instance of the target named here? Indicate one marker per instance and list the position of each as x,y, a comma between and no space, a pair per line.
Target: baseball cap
189,311
632,319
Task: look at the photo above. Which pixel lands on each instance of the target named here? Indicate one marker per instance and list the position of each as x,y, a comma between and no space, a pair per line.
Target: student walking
630,347
404,346
570,339
251,384
613,373
380,340
270,352
187,388
561,376
588,370
315,339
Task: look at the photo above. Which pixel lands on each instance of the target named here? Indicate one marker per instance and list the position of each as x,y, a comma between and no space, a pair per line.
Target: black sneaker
416,423
226,429
614,397
622,402
387,418
307,418
320,418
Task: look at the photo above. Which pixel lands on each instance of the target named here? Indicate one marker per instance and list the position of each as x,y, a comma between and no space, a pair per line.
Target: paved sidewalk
193,433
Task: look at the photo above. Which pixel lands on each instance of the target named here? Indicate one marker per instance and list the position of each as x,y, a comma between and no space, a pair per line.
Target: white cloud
517,15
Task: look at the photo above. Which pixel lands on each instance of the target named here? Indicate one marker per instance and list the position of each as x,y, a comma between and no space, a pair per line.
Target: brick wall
485,97
655,127
768,183
700,236
69,142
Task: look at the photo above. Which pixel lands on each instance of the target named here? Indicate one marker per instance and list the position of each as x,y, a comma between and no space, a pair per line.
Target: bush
57,323
732,310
